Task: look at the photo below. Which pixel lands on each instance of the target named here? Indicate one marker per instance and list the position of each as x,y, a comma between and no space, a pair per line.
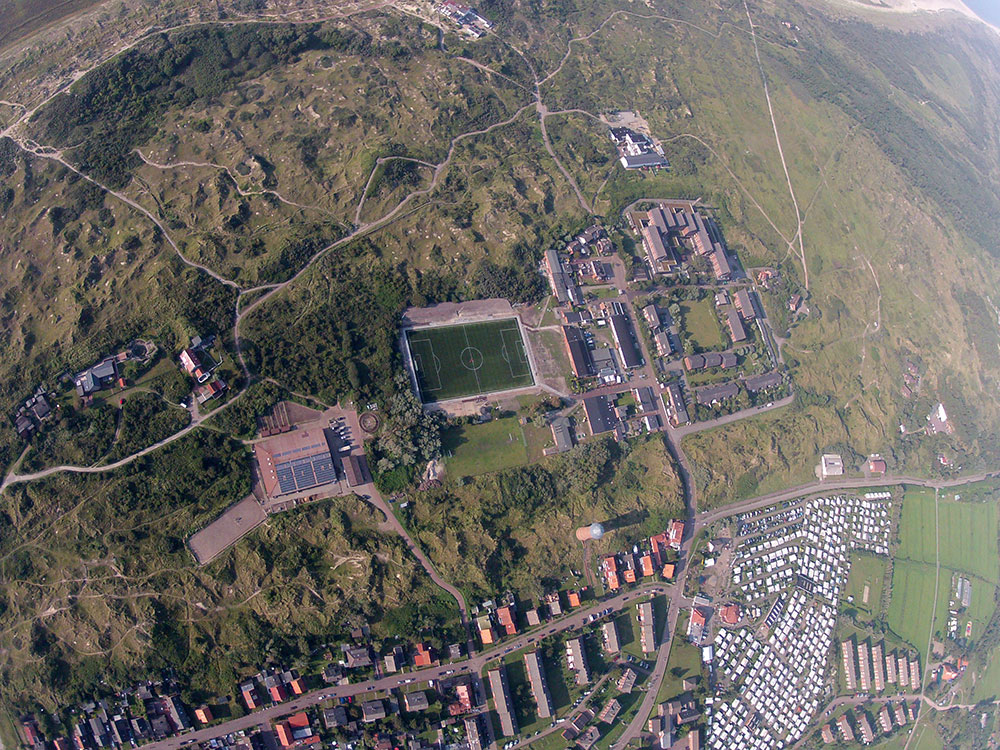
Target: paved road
473,665
888,480
753,411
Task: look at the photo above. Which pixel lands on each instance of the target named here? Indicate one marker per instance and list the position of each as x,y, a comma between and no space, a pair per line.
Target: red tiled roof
730,614
647,565
284,734
299,720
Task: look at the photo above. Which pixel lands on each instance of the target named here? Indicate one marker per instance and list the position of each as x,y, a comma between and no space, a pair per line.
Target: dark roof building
579,353
760,382
538,683
600,414
562,434
736,329
334,717
646,398
678,408
715,393
694,362
502,701
372,711
416,701
622,330
725,360
744,303
649,160
358,657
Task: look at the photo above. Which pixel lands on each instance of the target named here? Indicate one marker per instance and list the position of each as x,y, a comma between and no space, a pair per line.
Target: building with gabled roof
744,304
505,616
621,329
373,710
578,351
867,735
502,701
647,636
539,685
422,656
844,725
736,330
577,660
609,631
415,701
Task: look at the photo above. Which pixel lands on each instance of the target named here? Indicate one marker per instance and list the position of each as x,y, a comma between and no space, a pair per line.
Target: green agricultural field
866,584
968,534
468,359
912,602
702,325
481,448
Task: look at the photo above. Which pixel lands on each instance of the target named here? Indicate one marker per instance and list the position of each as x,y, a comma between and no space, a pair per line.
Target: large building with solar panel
299,460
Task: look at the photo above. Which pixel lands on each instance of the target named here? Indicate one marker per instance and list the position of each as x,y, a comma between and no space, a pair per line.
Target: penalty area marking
418,363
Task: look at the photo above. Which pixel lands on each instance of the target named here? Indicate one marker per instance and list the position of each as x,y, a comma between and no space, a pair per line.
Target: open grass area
468,359
701,325
865,585
912,603
968,534
480,448
927,737
685,662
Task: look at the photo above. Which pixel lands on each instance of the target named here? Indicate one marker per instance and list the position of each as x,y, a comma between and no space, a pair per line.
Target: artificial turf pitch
468,359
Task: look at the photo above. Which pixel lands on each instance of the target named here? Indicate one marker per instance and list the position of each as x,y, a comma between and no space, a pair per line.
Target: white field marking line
506,355
465,332
507,351
418,361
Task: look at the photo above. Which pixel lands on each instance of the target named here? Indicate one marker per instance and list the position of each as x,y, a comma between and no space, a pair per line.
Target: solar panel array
303,473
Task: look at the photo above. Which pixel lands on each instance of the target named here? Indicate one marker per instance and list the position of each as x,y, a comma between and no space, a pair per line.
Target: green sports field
468,359
867,575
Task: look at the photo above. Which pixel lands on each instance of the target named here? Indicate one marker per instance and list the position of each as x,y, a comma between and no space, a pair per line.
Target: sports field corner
474,358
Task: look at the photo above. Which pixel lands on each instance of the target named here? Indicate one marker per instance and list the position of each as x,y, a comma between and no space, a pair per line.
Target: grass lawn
468,359
702,324
912,602
685,662
866,583
480,448
968,534
628,633
927,738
